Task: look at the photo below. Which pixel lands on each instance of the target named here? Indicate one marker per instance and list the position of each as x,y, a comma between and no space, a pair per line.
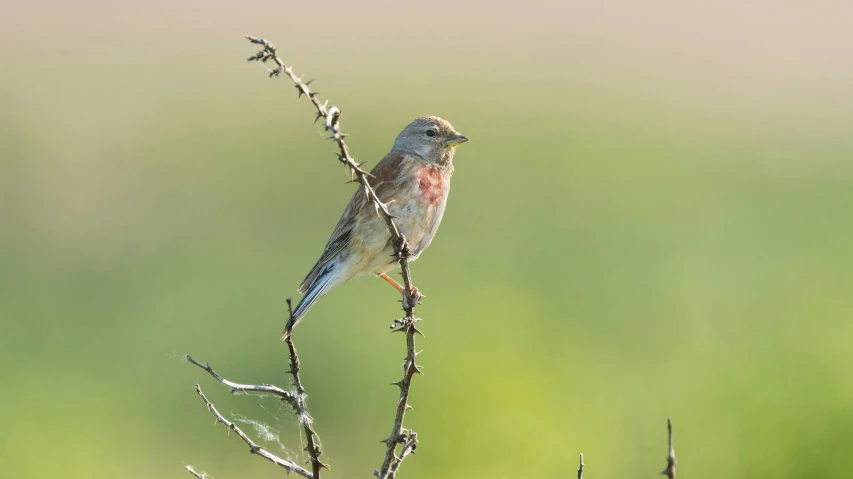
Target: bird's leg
402,289
401,252
393,283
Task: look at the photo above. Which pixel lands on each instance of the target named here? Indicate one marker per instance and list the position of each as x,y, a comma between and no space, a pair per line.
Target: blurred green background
652,219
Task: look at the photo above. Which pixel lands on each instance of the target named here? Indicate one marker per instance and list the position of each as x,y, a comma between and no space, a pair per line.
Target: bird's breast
431,185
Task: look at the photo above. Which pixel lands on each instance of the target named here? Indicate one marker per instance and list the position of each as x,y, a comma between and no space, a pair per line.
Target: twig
580,469
296,401
190,469
671,463
287,464
313,448
331,116
285,396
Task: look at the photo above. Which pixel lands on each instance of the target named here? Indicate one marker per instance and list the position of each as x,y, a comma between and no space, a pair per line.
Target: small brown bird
413,181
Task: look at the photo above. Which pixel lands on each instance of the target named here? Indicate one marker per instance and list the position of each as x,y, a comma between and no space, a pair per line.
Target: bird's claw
401,247
413,299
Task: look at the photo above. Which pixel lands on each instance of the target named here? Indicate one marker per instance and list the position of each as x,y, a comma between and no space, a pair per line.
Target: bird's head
431,138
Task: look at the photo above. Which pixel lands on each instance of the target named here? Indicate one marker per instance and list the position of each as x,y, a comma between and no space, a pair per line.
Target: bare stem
314,450
580,469
285,396
671,463
287,464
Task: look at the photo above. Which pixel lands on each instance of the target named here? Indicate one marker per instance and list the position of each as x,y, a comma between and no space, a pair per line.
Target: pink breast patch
431,184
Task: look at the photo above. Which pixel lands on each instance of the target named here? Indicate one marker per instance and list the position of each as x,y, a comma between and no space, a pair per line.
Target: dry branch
298,402
580,469
287,464
285,396
331,116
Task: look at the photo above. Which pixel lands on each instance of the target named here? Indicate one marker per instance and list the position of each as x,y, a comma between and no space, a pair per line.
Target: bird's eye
430,133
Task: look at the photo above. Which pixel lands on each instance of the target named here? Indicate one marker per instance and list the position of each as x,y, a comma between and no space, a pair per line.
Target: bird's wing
383,174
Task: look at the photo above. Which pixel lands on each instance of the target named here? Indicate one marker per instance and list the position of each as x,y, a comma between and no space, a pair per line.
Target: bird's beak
455,139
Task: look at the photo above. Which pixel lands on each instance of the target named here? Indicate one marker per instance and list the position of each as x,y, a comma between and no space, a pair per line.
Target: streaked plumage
413,180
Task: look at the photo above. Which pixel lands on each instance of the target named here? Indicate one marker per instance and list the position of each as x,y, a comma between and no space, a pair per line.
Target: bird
413,181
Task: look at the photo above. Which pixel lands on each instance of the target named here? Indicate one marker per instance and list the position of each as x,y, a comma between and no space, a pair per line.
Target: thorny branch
287,464
670,458
331,116
298,402
285,396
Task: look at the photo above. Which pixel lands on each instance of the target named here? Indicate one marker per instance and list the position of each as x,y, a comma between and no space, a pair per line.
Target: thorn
308,83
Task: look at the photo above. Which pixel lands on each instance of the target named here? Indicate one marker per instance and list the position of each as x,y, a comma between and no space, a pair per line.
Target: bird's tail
321,285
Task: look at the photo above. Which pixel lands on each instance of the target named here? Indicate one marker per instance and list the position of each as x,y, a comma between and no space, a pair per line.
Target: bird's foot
413,299
401,247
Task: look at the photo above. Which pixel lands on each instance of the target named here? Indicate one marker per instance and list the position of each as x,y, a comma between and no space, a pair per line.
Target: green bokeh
612,254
